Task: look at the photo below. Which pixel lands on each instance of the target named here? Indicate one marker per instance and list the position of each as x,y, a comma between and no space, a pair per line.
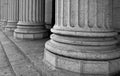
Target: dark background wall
116,13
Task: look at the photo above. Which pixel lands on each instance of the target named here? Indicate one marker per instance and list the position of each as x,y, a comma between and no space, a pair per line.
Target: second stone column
31,20
12,15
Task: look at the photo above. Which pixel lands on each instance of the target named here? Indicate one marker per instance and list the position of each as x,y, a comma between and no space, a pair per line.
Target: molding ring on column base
11,26
94,41
30,23
30,32
83,52
84,34
82,66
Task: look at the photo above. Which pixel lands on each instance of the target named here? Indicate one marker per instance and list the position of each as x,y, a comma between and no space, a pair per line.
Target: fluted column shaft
4,12
12,15
31,19
83,40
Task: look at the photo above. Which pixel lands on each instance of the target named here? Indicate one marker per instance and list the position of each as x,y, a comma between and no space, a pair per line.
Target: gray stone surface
20,64
5,67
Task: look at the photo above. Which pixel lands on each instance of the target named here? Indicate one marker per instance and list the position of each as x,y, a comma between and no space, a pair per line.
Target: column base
11,26
86,67
30,32
85,55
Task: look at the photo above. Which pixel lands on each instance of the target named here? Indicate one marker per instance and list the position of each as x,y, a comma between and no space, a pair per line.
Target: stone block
69,64
96,67
85,67
28,36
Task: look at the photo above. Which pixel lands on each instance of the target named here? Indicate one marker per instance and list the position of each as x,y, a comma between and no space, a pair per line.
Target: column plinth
12,15
31,20
83,40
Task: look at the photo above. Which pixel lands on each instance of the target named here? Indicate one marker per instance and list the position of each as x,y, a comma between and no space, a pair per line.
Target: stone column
4,12
83,40
31,20
48,13
12,15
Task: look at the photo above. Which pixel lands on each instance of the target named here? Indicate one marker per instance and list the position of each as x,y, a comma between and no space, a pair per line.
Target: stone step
19,62
5,66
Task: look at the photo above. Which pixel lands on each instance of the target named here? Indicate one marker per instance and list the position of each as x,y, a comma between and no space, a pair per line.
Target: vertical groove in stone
92,13
27,10
62,12
106,14
37,11
100,15
43,11
110,14
23,2
56,14
59,12
66,12
40,11
20,10
6,9
34,10
30,10
13,10
74,13
83,13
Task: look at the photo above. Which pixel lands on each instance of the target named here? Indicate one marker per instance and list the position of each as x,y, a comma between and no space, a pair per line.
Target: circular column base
30,33
30,30
85,67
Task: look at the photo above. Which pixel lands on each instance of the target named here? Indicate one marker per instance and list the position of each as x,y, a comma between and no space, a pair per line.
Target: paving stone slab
19,62
5,67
